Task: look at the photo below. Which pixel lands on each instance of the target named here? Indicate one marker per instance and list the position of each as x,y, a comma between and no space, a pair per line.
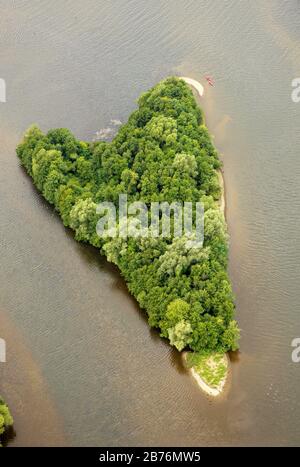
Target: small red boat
209,80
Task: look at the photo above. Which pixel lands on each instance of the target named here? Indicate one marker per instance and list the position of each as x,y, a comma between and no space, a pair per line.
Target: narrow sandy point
211,391
192,82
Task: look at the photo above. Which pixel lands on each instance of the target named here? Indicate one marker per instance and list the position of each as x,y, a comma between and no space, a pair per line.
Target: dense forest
163,153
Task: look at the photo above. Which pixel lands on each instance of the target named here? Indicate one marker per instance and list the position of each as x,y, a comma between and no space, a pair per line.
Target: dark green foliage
163,153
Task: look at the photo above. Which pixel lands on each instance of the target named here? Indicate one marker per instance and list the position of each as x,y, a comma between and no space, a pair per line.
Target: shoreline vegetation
6,420
164,153
209,371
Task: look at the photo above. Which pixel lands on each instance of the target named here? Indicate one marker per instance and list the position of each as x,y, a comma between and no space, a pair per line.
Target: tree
186,164
83,219
177,311
180,334
6,419
163,154
231,336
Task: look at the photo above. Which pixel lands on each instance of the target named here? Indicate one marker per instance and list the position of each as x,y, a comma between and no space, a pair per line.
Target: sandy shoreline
196,85
222,203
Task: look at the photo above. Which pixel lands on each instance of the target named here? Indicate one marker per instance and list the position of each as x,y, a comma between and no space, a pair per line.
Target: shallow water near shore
78,346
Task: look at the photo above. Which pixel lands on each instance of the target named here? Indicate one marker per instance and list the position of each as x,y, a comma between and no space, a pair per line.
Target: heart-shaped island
163,167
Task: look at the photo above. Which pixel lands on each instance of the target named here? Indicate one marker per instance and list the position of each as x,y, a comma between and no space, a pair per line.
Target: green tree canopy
163,153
